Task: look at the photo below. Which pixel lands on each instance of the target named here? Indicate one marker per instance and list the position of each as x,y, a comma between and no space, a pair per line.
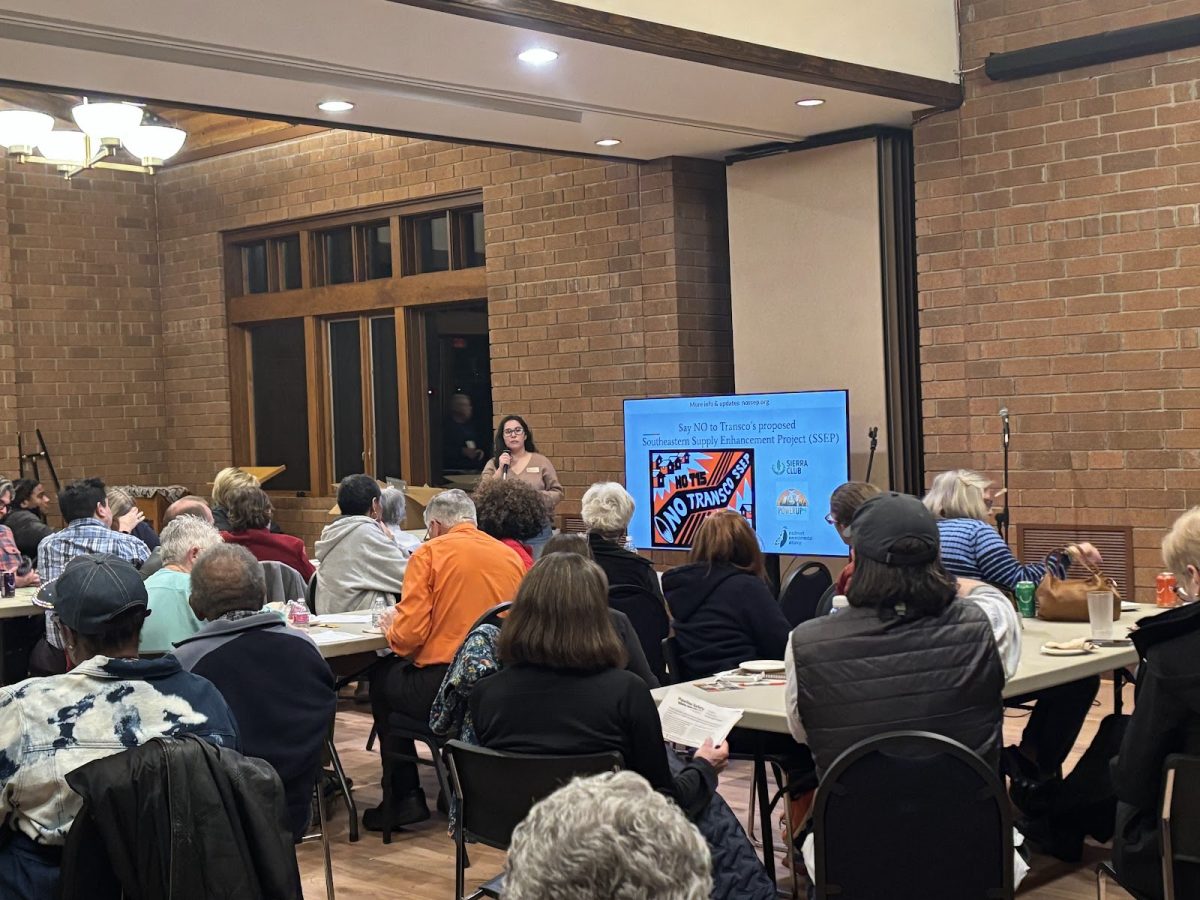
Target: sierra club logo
789,466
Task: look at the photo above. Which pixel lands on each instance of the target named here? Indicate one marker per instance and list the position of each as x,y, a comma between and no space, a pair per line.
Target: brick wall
1058,222
79,300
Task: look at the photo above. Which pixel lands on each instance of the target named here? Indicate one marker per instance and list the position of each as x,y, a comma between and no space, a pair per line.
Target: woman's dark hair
847,498
530,446
726,537
248,507
560,618
569,543
912,591
22,491
356,493
119,633
79,499
510,508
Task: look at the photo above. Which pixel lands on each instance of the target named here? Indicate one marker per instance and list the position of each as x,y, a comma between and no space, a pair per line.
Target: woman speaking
517,457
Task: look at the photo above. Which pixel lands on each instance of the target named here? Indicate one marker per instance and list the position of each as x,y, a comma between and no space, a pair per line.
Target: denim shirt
52,726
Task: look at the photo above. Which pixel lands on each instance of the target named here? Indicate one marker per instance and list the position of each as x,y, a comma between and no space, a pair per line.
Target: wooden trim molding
250,142
599,27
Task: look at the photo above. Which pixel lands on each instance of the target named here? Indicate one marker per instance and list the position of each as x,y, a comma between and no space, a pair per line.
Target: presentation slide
774,458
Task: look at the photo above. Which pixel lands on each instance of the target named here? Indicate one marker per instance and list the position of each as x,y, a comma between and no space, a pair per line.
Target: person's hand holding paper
695,723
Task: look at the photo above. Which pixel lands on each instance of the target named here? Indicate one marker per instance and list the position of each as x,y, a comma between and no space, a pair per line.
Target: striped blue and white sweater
974,549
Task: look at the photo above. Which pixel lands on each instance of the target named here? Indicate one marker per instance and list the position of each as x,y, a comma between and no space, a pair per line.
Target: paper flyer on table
690,721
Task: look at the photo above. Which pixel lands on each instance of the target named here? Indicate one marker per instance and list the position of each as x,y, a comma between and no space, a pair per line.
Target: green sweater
171,618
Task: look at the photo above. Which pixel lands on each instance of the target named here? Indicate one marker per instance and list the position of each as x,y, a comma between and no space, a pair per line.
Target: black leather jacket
185,820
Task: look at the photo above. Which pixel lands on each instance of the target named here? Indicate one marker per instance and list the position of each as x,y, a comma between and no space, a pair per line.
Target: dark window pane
288,249
432,240
379,250
345,374
254,266
387,397
338,246
278,362
470,237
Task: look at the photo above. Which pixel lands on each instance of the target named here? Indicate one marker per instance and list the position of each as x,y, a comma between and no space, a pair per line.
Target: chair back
802,591
648,615
1180,821
493,616
495,791
912,815
283,583
310,595
670,652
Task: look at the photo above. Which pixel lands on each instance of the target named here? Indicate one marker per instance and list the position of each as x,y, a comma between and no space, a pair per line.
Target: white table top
20,605
765,710
361,643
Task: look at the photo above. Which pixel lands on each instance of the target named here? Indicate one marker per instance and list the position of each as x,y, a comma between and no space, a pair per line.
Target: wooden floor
419,863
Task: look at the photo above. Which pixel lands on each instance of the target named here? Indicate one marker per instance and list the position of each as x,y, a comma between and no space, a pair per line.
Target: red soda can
1164,590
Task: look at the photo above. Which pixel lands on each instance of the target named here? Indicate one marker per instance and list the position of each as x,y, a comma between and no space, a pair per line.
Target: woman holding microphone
517,457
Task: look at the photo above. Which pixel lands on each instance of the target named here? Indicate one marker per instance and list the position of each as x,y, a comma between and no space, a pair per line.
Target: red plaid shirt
10,556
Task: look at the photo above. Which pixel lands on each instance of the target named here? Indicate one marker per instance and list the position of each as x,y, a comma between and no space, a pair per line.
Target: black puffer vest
861,673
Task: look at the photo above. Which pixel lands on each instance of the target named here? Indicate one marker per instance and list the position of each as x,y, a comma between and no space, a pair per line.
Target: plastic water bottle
298,613
839,602
378,608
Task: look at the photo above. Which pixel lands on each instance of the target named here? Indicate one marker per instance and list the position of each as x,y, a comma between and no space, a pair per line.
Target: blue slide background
799,441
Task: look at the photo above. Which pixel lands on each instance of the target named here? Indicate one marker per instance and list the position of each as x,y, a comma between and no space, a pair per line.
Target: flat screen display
774,458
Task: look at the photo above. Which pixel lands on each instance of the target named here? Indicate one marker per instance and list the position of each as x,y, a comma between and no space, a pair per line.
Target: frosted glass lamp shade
23,128
153,144
107,122
64,146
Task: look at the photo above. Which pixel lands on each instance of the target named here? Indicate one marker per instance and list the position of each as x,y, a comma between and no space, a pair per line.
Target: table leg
764,811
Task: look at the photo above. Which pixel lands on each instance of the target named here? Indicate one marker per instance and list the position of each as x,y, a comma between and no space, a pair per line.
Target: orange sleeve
413,621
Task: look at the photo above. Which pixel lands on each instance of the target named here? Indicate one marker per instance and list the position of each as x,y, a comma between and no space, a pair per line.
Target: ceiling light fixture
335,106
608,142
105,128
810,101
537,56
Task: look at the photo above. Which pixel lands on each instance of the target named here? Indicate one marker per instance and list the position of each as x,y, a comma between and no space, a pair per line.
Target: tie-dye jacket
52,726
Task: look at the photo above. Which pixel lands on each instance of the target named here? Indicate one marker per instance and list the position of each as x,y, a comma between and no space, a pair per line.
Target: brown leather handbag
1065,599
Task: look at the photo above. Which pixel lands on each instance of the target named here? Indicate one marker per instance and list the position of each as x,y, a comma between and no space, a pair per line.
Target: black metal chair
802,591
494,616
494,791
648,615
1178,829
674,668
912,815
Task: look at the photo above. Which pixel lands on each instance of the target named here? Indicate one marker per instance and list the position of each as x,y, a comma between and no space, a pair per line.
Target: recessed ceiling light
335,106
810,101
537,56
607,142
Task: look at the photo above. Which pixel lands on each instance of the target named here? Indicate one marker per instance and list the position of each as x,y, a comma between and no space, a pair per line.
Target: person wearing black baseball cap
108,702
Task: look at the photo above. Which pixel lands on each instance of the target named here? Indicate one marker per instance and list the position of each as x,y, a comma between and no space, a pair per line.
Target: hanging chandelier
104,130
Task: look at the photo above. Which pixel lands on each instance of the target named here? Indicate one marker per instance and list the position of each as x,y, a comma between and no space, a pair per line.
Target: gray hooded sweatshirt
358,564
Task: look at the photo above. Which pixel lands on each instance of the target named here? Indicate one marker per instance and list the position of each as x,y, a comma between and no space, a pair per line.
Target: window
336,378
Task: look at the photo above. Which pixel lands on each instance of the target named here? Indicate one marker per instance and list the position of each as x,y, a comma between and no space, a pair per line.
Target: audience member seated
843,504
249,512
452,579
905,655
359,561
625,840
190,505
393,511
1165,720
279,687
128,518
972,548
722,608
224,483
512,512
11,558
84,507
607,510
563,688
109,702
27,516
171,618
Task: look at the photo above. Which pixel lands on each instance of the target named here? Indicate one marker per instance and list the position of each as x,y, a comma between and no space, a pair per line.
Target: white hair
607,509
450,508
607,837
958,494
183,534
392,507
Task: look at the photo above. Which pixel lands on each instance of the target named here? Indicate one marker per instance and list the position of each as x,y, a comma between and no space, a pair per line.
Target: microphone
1004,419
504,471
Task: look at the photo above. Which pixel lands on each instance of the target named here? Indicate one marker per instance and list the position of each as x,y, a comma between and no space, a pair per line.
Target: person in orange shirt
452,579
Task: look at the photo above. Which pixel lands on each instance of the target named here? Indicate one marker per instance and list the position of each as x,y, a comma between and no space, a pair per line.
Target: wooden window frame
400,295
